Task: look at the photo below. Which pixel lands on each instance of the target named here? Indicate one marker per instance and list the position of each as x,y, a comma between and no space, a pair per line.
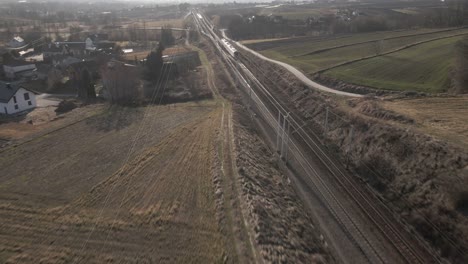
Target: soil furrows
61,184
167,214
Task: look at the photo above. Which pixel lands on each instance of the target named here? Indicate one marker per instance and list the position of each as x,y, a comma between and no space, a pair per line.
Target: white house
15,99
16,42
89,44
15,68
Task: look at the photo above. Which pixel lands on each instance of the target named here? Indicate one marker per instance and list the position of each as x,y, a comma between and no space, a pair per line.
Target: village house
17,69
53,49
16,42
15,99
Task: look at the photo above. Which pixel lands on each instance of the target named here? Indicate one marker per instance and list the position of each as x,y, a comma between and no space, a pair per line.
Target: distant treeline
248,24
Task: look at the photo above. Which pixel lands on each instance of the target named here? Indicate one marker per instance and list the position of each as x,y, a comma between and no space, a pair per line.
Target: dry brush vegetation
423,178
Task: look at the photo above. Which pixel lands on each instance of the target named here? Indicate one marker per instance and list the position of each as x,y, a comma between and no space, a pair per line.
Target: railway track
380,215
303,144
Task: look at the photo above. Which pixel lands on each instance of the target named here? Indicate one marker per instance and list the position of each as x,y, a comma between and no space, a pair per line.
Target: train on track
229,48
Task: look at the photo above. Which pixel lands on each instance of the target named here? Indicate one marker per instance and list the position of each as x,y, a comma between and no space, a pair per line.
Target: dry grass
442,117
44,119
140,55
168,51
161,203
252,41
176,50
175,23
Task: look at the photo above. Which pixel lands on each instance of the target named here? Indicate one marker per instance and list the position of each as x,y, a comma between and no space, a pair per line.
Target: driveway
45,99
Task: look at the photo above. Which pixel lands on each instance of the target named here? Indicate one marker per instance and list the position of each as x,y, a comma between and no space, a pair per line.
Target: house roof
18,39
76,45
7,90
52,48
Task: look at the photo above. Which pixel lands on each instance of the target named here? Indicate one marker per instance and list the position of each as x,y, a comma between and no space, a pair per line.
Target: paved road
297,73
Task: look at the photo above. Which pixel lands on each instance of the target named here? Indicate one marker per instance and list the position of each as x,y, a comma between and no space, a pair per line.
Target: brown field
140,55
175,23
44,120
168,51
73,197
442,117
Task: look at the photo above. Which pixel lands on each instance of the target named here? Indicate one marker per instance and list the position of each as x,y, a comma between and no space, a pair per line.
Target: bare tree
120,82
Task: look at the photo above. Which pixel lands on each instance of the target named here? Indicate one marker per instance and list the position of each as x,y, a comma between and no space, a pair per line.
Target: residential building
53,49
16,42
18,68
15,99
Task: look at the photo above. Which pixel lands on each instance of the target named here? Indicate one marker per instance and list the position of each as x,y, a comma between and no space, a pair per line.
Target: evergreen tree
154,64
167,39
87,85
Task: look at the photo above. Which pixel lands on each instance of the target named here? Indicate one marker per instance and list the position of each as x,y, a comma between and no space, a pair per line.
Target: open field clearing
317,60
304,45
150,23
295,12
424,68
68,195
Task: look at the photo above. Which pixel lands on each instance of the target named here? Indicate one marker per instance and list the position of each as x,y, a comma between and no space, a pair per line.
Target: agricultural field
423,68
152,201
297,12
403,49
155,23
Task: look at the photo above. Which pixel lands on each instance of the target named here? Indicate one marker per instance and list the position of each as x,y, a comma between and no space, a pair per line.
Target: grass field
72,195
423,67
304,46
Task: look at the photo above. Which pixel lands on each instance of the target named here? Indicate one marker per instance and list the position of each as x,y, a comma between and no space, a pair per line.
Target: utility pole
278,131
326,120
284,135
146,36
287,144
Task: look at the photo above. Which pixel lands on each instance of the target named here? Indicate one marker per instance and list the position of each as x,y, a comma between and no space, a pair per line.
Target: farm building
15,99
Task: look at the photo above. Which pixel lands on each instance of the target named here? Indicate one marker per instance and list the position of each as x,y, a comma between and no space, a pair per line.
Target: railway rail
304,143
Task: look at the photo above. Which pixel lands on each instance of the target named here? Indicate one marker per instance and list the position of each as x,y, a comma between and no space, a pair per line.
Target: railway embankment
424,180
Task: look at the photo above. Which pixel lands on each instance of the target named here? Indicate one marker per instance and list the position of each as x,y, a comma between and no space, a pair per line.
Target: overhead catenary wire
130,151
124,196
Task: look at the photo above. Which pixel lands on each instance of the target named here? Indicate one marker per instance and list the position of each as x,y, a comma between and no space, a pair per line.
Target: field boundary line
51,132
370,41
385,53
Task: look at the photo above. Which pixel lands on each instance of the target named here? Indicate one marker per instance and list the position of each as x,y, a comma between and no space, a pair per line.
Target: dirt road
296,73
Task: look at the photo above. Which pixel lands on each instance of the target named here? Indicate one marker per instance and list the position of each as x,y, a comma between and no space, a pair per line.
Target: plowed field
83,194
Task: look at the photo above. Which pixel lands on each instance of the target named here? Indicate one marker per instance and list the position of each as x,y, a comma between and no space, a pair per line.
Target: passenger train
229,48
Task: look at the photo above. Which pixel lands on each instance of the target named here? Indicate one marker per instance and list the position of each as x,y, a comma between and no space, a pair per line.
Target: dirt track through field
167,215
